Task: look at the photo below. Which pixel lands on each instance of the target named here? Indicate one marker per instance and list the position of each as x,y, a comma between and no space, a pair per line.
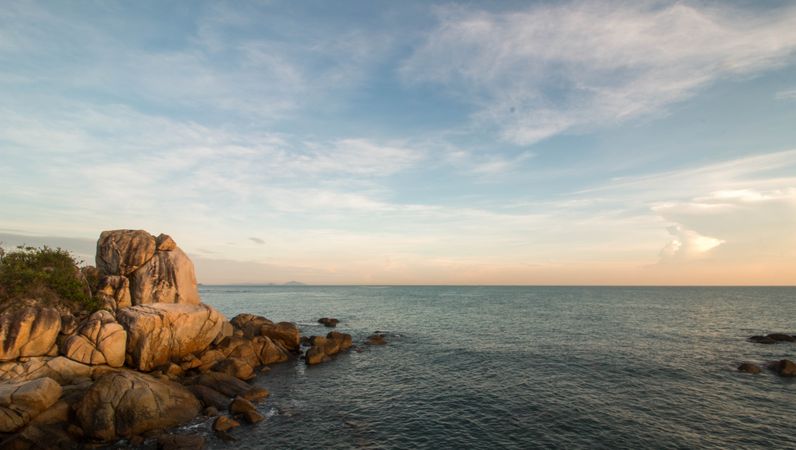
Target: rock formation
21,402
28,332
127,403
323,348
160,332
100,340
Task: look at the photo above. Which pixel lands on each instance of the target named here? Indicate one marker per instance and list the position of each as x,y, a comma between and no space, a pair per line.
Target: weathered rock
209,396
315,355
40,437
56,413
250,324
246,409
124,403
69,324
160,332
211,411
28,332
181,442
236,367
749,368
254,394
762,340
223,383
121,252
224,423
342,340
21,402
376,339
328,321
285,333
323,348
100,340
268,351
61,369
115,288
781,337
168,277
784,368
165,243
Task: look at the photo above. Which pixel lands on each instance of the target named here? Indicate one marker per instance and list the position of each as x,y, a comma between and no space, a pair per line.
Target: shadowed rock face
121,252
28,332
160,332
125,403
21,402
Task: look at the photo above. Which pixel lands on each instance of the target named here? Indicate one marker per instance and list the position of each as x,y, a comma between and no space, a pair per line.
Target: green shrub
43,274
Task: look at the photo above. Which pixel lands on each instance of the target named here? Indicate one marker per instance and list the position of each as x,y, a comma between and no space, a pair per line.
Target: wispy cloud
548,69
789,94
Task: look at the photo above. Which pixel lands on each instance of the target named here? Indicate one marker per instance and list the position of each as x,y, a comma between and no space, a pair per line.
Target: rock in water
21,402
121,252
785,368
376,339
160,332
749,368
100,340
328,321
245,408
168,277
28,332
181,442
224,423
124,403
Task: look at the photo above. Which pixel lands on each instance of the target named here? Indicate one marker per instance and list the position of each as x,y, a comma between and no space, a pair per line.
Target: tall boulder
168,277
28,332
124,403
114,291
160,332
100,340
21,402
121,252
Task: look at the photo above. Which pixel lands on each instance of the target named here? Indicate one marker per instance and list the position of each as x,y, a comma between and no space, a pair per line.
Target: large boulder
60,369
100,340
121,252
28,332
21,402
166,278
160,332
124,403
784,367
284,333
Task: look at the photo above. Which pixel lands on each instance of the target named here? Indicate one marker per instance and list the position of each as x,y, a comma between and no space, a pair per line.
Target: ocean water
526,367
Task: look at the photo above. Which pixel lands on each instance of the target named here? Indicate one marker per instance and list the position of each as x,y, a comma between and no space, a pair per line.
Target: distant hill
294,283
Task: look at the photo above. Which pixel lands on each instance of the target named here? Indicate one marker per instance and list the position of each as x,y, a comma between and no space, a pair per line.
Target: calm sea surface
527,367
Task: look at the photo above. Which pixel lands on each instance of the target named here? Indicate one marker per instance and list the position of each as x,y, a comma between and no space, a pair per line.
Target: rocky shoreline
151,358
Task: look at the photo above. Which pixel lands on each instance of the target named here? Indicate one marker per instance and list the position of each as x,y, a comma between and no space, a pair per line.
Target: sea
525,367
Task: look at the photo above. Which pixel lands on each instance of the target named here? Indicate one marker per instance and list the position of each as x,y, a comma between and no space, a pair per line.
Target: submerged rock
181,442
224,423
784,368
124,403
328,321
376,339
749,368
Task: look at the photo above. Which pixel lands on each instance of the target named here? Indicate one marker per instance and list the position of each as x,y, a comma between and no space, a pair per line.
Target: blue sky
410,142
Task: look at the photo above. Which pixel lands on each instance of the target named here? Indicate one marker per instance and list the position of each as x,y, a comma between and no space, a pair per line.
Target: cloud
687,244
549,69
789,94
257,240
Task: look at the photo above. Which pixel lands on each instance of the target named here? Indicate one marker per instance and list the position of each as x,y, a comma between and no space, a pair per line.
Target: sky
380,142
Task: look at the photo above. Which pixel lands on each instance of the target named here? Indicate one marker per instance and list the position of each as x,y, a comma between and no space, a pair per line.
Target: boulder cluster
782,367
151,358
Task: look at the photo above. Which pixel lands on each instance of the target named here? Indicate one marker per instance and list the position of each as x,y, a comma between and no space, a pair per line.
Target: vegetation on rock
44,275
